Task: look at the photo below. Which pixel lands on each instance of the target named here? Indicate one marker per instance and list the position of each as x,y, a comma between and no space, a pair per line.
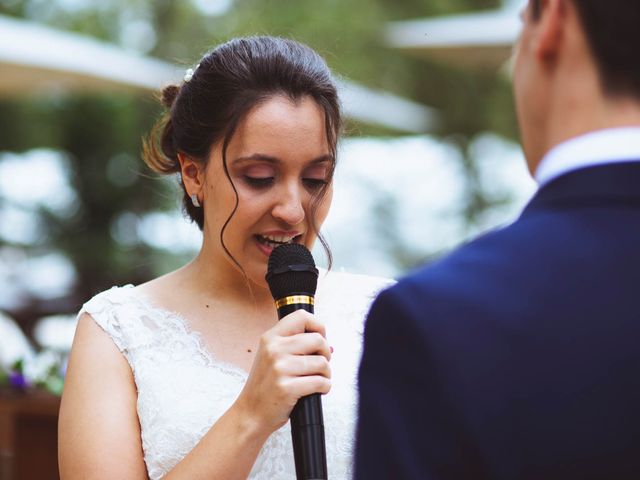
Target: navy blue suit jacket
517,356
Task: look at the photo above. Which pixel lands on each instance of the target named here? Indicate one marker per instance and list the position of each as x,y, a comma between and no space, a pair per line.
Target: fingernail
331,348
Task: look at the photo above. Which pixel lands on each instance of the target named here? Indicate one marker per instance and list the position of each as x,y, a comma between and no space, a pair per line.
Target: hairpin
188,75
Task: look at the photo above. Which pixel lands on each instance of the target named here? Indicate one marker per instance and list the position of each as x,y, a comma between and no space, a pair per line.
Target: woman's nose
289,206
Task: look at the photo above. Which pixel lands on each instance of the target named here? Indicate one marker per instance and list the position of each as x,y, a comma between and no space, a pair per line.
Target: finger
311,343
307,385
304,365
297,322
278,348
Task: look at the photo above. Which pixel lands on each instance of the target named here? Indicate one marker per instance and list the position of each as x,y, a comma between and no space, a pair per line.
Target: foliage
102,133
44,371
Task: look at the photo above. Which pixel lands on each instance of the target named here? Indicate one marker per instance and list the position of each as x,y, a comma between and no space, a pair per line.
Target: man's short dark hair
613,32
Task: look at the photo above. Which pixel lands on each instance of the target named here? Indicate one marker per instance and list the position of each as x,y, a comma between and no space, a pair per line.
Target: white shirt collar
596,148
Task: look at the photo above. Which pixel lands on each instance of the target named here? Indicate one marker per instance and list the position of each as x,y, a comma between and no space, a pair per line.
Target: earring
195,201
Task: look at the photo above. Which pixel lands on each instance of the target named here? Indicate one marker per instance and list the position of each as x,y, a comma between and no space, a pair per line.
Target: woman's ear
192,173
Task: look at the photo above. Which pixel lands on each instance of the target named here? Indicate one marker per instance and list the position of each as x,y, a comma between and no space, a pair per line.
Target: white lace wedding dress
183,389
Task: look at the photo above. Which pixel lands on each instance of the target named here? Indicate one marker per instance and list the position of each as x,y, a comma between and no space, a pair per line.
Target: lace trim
108,301
225,367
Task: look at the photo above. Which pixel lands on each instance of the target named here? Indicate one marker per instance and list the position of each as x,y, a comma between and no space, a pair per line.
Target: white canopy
34,57
478,40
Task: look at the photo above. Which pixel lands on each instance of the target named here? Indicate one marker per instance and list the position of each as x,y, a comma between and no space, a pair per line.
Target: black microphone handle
307,425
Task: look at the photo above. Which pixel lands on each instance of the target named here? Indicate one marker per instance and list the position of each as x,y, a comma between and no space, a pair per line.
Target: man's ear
192,173
550,28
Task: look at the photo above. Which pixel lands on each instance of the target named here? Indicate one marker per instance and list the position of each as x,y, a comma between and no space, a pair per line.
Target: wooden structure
28,435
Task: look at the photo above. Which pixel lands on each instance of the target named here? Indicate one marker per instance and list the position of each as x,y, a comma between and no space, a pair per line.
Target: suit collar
613,183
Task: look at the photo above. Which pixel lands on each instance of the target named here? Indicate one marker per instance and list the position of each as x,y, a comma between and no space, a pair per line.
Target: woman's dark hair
611,28
229,81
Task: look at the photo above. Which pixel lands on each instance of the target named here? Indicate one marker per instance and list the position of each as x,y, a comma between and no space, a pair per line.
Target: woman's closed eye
258,182
259,175
314,183
316,176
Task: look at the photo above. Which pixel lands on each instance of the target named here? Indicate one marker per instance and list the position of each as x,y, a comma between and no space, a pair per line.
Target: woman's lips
268,242
266,249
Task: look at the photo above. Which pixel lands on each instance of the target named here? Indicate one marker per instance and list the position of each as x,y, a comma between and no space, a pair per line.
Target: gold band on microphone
294,299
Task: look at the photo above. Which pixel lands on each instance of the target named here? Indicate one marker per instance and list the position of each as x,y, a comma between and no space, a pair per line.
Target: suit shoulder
472,277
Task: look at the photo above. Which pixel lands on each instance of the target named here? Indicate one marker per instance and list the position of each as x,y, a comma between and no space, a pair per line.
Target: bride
191,375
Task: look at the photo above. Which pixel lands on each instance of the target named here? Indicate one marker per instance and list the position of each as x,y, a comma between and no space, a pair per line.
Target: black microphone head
291,271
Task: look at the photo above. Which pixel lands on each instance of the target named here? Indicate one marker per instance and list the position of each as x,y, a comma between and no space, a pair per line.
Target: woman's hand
292,361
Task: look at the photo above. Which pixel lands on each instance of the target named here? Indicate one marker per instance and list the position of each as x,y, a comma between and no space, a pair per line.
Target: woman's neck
220,278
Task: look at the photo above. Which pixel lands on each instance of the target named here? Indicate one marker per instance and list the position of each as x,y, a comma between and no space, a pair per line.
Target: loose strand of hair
313,210
225,145
153,153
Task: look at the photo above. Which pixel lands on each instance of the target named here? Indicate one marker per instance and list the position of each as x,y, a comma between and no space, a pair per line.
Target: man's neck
573,118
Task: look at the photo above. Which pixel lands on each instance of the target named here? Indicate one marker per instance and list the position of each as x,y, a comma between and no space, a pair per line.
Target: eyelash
314,183
260,183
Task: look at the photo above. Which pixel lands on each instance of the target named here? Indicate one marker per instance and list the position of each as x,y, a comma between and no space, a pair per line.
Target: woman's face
278,159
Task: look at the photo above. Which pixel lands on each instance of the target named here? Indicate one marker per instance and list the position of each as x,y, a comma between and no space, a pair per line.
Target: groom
518,356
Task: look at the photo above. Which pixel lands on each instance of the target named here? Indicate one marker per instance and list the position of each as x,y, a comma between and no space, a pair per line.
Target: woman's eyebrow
256,156
269,159
323,158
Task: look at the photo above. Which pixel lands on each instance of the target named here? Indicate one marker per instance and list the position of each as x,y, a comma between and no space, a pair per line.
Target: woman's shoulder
107,299
119,312
352,283
346,297
120,303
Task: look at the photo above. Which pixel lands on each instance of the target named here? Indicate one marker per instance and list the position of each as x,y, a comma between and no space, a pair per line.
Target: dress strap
115,313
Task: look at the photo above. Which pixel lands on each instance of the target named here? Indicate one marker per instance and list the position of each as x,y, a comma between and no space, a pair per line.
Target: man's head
575,65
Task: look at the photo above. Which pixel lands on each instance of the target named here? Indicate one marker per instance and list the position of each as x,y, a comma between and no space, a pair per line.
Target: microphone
292,277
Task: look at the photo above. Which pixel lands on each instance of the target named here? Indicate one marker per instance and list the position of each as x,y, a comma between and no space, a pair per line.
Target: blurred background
430,156
429,159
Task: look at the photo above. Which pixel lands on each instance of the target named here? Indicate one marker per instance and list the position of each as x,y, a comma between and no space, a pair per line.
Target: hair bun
169,95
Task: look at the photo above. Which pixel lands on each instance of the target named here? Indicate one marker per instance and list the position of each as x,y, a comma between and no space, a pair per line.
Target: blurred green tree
102,133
